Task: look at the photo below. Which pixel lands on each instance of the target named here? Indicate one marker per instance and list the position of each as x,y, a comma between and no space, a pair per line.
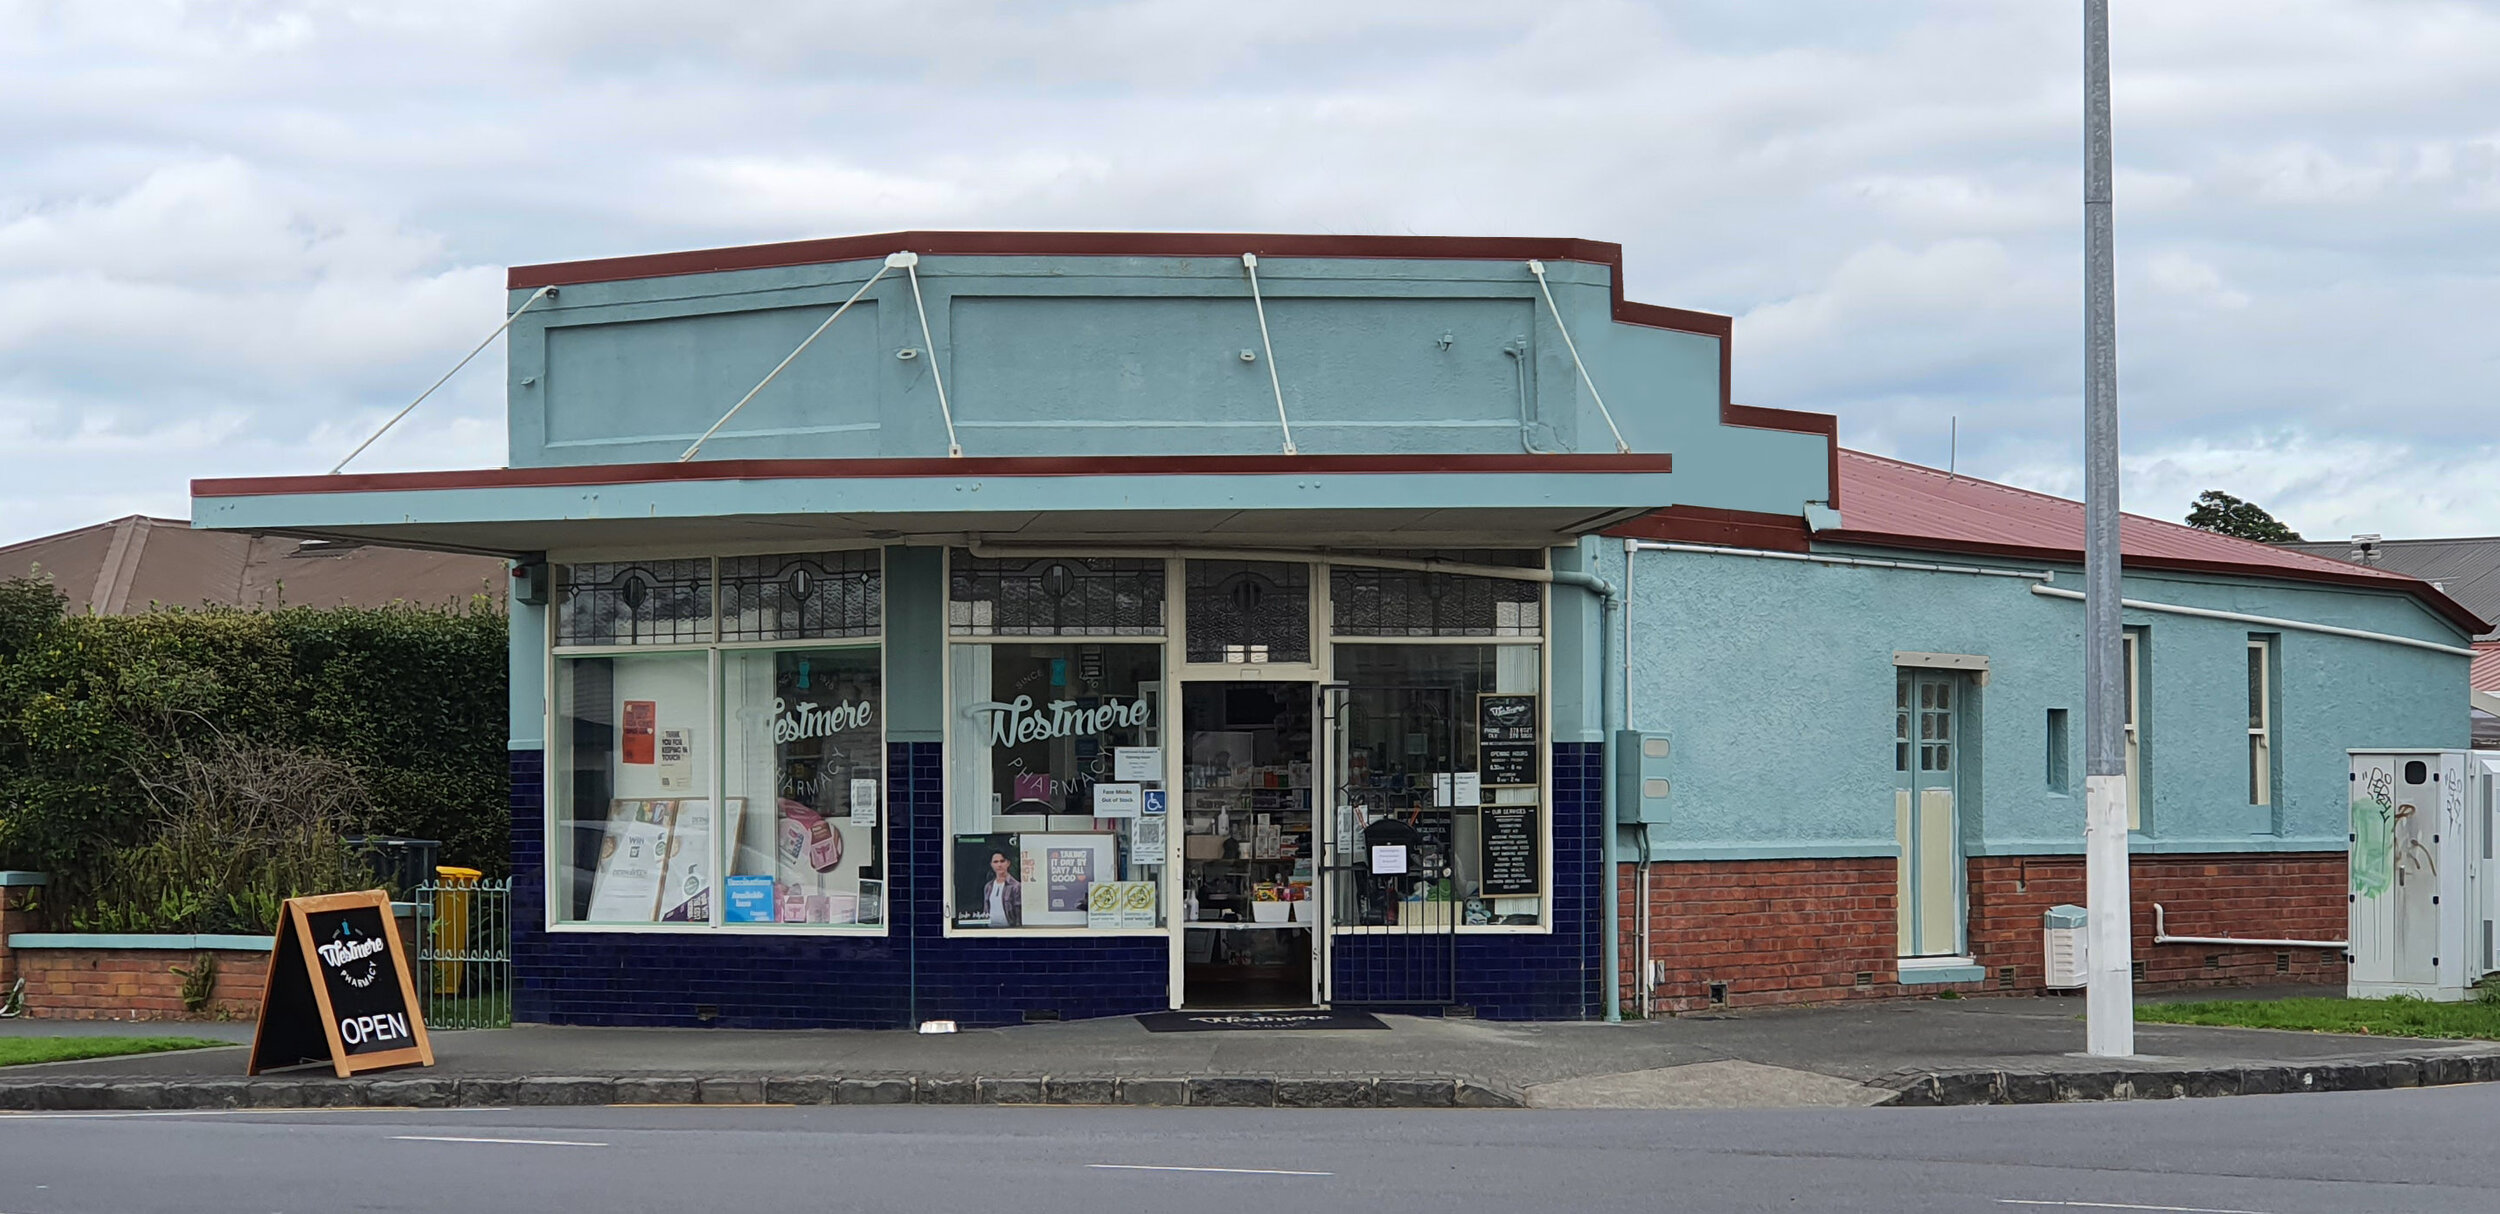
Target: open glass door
1249,845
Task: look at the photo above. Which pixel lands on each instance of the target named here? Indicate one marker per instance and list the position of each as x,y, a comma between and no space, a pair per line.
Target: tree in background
2224,514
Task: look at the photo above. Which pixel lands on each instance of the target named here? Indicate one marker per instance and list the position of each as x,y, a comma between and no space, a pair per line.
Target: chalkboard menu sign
338,989
1506,718
1508,851
1508,764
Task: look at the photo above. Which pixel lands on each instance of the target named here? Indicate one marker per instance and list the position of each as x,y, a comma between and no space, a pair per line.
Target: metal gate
464,955
1391,897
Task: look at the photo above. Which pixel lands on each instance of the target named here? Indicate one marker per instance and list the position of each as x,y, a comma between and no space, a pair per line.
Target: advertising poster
686,888
1137,904
1068,877
1102,905
677,760
1059,871
989,887
747,900
641,719
625,884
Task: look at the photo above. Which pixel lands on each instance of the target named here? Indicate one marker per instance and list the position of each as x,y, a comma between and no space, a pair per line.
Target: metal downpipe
1612,913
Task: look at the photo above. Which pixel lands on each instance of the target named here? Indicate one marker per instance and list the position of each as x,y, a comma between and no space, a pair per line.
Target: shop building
1010,626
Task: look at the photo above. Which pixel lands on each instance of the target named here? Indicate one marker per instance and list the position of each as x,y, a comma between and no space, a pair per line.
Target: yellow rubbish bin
452,890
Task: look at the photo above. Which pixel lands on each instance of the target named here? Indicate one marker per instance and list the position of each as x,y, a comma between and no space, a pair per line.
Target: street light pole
2109,1007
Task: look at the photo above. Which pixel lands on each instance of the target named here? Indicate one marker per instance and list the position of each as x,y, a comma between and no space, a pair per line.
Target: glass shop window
1249,611
1440,758
1413,603
704,785
1053,596
1058,814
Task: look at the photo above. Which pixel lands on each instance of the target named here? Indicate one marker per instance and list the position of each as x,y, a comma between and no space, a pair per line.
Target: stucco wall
1775,682
1095,356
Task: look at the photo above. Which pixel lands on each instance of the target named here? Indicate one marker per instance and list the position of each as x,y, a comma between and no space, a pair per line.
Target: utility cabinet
2425,893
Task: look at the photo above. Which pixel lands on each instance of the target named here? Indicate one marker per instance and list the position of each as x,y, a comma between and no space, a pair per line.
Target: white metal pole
2109,1005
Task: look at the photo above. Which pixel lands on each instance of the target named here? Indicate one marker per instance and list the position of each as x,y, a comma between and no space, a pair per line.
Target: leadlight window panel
1411,603
801,596
634,603
1249,611
1054,596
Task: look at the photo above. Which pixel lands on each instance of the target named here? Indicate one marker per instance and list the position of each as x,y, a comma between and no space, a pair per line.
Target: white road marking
2119,1205
109,1116
1151,1167
516,1142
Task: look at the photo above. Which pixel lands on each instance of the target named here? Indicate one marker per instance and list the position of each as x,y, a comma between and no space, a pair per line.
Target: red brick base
1805,931
136,983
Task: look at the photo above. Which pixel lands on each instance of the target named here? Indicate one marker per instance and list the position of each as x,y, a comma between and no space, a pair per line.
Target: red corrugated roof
1894,504
2485,675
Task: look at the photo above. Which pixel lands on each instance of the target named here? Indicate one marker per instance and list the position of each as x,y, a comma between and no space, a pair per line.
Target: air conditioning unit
2062,947
2425,892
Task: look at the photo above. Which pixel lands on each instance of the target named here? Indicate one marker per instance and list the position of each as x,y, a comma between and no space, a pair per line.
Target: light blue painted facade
1095,356
1772,679
1774,682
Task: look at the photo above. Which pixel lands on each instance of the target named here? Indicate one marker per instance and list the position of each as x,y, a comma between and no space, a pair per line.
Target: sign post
339,990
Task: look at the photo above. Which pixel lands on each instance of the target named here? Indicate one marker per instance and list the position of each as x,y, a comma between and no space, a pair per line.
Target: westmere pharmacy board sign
339,990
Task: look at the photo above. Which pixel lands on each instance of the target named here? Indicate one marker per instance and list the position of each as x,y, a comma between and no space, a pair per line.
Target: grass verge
17,1050
2398,1017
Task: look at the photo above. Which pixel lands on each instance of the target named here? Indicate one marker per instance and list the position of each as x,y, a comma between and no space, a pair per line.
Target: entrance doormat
1233,1022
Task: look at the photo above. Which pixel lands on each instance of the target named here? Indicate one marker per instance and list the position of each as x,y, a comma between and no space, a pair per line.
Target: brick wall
2289,895
1775,931
1802,931
135,983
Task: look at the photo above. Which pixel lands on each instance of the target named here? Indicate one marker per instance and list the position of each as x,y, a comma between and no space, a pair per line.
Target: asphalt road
2403,1151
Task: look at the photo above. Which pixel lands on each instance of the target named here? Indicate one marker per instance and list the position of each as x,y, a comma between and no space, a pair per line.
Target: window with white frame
2131,658
2260,719
1056,707
719,743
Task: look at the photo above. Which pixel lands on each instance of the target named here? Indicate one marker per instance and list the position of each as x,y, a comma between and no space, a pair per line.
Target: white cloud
235,234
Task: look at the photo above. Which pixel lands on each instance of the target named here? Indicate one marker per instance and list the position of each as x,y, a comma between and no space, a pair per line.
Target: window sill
1921,971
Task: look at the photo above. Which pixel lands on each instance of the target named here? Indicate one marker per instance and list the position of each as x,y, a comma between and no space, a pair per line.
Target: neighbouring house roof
1888,503
2485,675
127,565
2467,570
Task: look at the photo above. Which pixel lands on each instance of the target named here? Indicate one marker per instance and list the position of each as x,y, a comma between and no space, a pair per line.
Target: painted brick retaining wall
1801,931
136,983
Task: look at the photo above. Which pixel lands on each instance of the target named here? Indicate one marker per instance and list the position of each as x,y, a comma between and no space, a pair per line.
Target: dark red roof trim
854,469
1727,528
1208,244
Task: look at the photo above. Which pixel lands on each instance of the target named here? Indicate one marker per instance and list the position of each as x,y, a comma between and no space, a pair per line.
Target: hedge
412,699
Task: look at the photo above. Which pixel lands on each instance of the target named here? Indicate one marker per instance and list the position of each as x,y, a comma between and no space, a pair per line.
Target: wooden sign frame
295,987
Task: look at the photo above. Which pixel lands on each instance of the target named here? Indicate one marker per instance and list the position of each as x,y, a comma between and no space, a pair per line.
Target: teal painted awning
1385,500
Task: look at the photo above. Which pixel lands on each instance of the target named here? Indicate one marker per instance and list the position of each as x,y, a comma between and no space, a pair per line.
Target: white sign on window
1118,800
1465,788
677,760
863,802
1389,860
1137,763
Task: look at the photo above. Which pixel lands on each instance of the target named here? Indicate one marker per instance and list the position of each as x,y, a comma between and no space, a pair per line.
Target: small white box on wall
2062,947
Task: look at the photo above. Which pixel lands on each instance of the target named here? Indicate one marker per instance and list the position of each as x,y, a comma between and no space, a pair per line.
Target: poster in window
1507,851
1506,718
625,883
641,719
1059,871
1509,764
989,887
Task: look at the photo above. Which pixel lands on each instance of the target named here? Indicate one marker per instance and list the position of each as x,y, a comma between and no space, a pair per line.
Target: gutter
2236,617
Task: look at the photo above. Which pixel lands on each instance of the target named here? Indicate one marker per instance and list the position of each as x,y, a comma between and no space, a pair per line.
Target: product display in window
805,736
1057,760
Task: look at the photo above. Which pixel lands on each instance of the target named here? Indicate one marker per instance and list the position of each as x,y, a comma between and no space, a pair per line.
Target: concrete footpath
1896,1053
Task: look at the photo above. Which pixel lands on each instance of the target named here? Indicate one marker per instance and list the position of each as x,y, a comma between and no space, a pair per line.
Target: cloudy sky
234,237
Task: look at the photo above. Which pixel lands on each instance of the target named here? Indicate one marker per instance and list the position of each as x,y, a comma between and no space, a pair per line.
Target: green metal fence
464,960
